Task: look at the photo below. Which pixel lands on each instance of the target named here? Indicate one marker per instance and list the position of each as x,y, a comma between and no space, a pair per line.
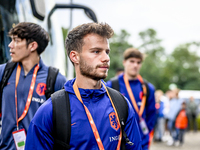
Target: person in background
139,92
160,120
94,123
181,123
192,114
169,94
175,105
25,90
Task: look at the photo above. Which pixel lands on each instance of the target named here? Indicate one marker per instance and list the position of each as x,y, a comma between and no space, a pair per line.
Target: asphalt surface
192,142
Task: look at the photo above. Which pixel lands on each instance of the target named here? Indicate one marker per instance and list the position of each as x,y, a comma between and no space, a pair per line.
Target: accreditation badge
19,138
143,126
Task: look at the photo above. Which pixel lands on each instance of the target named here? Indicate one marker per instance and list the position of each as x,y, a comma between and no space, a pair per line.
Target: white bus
43,13
186,94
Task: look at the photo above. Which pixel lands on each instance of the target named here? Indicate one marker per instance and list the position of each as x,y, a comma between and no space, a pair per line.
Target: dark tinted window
8,17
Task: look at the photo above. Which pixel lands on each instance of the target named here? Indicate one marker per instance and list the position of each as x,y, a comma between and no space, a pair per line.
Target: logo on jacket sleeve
113,121
41,87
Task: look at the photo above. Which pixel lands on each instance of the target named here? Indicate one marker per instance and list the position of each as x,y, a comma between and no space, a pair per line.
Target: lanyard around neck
91,121
28,102
130,93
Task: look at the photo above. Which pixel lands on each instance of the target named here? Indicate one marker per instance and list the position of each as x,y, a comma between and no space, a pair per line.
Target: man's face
94,58
18,49
132,66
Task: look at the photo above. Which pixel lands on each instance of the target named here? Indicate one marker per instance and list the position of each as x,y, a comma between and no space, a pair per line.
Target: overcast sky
176,21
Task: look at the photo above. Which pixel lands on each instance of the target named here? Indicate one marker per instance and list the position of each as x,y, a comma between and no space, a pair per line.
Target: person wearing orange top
181,123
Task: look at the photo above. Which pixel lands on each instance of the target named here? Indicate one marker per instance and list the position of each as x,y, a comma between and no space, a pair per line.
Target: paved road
192,142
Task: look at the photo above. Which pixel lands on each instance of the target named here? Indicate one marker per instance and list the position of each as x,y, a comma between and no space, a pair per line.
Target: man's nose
10,45
105,57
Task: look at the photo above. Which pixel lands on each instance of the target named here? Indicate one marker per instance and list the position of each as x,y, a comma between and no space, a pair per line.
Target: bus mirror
38,8
87,11
90,14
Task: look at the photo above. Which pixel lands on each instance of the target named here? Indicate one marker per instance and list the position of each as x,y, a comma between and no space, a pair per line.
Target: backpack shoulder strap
115,83
120,105
122,110
61,120
6,75
51,79
147,87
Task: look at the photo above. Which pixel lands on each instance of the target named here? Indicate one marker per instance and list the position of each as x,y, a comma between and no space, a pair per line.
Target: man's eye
107,52
16,40
96,52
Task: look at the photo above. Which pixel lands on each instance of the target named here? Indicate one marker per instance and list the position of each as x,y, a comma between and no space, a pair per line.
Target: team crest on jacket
41,87
113,121
141,95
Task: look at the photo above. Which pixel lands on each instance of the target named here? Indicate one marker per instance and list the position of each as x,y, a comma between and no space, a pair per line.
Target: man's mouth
103,66
11,53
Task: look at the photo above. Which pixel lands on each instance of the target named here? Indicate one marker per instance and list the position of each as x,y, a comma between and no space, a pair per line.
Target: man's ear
74,56
33,46
124,61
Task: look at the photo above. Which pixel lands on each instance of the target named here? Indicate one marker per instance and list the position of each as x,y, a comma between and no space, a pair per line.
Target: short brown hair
31,32
74,40
132,52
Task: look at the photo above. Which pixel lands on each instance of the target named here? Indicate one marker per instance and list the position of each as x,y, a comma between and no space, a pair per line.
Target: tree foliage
153,65
118,43
183,66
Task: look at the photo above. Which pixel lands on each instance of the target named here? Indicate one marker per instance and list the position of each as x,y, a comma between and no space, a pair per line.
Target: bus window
8,17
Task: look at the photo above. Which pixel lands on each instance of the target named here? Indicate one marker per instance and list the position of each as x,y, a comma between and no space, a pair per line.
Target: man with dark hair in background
25,89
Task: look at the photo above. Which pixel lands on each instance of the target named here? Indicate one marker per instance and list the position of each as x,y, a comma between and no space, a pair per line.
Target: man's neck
87,83
29,63
130,77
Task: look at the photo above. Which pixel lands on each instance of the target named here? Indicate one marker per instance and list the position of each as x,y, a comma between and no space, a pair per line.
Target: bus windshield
8,17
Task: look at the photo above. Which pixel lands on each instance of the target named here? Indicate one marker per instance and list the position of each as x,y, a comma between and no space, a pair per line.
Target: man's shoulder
42,120
61,77
150,85
2,67
115,80
110,82
44,111
9,67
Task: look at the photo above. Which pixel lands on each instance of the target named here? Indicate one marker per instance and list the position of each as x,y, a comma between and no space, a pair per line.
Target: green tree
65,32
183,66
118,43
154,62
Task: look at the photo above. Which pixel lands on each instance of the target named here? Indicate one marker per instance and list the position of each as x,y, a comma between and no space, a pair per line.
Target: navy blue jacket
8,101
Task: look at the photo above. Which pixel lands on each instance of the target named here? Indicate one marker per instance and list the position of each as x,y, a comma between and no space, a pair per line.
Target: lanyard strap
91,121
28,102
130,93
